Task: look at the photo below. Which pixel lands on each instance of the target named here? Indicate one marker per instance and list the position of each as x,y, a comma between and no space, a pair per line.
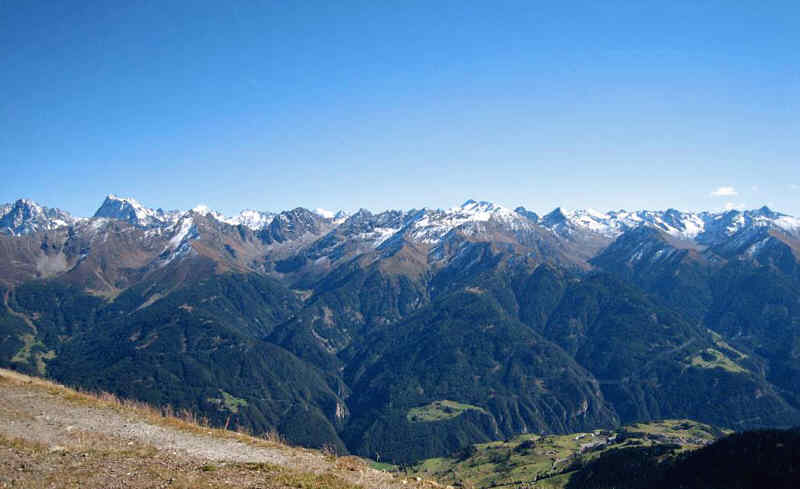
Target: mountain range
339,330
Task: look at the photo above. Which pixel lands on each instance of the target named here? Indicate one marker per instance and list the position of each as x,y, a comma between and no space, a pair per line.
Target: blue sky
272,105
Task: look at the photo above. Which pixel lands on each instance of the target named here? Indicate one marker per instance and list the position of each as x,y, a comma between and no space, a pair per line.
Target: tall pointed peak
767,212
127,209
556,215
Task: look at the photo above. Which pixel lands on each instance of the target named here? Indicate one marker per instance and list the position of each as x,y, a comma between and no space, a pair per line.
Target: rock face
131,211
25,216
569,321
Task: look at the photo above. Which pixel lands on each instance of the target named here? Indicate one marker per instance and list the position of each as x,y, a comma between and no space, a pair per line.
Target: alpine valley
406,335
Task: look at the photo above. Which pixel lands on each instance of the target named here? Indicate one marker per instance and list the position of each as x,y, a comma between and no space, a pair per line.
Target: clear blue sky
379,104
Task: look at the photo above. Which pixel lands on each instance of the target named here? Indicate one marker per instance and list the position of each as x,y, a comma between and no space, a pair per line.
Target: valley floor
51,436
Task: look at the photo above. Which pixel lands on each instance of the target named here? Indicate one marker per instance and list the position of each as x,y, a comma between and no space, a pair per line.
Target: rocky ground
53,437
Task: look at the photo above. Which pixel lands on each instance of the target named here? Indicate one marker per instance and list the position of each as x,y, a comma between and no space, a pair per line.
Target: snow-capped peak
203,210
430,226
26,216
138,208
249,218
253,219
130,210
481,211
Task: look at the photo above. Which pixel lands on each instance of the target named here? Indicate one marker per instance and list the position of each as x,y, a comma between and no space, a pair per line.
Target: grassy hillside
762,458
551,460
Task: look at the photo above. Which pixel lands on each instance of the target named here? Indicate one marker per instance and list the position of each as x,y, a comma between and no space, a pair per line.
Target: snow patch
185,228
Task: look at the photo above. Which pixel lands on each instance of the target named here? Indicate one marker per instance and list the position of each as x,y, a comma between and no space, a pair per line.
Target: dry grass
184,419
21,444
93,459
350,463
32,465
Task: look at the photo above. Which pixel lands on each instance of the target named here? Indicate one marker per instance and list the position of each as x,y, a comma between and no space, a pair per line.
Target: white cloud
324,213
794,186
724,192
730,206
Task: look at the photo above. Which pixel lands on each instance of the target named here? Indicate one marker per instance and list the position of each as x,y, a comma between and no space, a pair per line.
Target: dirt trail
45,416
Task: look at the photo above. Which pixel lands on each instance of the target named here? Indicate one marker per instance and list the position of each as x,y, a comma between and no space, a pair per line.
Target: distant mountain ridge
430,225
322,237
550,324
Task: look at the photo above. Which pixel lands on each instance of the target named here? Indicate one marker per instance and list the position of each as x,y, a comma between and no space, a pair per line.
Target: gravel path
36,414
46,418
